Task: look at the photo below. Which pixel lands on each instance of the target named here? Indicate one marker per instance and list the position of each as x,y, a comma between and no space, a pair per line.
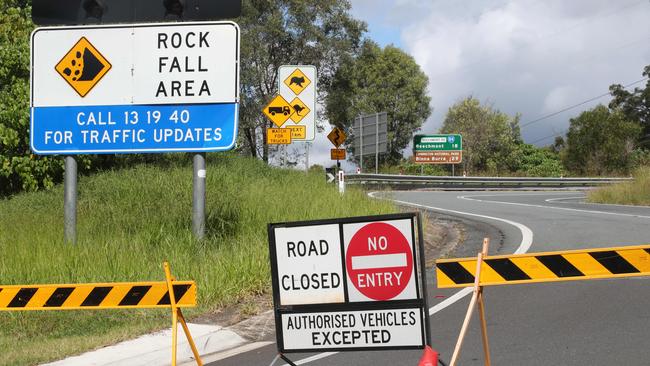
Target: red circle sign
379,261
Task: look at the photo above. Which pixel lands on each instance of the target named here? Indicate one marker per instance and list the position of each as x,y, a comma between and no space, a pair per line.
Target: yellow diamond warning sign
278,111
301,110
83,66
297,81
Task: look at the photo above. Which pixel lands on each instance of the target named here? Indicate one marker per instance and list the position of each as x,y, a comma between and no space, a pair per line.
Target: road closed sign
135,88
348,284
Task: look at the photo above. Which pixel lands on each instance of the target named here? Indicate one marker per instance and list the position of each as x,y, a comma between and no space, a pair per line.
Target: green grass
129,222
636,192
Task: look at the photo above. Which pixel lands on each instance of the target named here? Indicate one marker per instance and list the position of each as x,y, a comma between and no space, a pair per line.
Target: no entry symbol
379,261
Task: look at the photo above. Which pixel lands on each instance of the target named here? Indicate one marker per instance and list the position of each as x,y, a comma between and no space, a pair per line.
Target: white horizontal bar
379,261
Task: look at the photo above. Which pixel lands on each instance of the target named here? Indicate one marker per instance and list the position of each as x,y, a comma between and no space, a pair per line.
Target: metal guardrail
424,181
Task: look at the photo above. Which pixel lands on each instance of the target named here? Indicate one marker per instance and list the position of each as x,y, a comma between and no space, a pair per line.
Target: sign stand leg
285,359
70,200
198,196
425,293
177,316
477,296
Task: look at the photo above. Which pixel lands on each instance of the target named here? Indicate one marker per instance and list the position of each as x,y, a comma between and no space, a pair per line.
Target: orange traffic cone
429,357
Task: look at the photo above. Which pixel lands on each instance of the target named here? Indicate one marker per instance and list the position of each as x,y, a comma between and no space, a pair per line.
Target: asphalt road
600,322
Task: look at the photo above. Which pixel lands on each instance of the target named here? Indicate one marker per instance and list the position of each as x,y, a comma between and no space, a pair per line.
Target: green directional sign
438,143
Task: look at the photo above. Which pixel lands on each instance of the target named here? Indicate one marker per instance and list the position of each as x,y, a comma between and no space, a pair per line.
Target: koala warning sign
349,284
83,67
297,81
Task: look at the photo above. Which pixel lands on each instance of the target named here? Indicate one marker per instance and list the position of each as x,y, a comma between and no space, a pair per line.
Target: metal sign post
377,143
70,200
198,195
370,136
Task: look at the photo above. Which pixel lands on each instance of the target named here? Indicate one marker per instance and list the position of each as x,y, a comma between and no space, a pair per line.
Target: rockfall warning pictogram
83,66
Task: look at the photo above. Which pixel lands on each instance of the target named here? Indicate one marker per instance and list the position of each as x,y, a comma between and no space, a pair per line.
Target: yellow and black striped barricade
124,295
569,265
117,295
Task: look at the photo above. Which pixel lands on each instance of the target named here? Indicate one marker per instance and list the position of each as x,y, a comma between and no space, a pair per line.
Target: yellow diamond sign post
297,84
278,110
83,66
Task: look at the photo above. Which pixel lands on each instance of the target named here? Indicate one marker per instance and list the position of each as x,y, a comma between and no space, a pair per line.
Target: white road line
563,199
591,203
526,242
470,198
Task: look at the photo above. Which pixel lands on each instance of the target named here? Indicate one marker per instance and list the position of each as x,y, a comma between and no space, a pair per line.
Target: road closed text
353,329
309,265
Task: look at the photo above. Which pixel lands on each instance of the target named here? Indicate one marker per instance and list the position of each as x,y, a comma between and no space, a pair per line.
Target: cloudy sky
533,57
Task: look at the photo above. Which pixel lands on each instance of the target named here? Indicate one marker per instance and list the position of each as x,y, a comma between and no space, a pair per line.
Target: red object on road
429,357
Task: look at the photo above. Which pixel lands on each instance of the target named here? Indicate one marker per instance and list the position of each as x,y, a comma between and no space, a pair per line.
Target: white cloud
526,56
523,56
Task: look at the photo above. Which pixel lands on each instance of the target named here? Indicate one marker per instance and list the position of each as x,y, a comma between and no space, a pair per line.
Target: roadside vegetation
130,221
636,192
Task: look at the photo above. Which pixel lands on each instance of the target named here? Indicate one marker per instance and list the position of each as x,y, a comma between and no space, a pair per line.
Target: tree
489,136
19,169
381,80
274,33
600,141
533,161
634,105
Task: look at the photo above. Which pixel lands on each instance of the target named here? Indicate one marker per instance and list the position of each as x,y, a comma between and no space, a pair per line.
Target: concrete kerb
155,348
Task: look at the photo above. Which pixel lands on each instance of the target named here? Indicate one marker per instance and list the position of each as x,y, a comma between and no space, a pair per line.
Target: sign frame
221,106
310,121
421,302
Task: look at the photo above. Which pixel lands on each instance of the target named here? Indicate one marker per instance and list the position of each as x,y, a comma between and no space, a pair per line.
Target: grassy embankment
129,222
636,192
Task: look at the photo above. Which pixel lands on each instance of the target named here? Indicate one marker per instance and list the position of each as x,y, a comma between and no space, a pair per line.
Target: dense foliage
488,135
601,141
19,169
635,105
279,32
381,80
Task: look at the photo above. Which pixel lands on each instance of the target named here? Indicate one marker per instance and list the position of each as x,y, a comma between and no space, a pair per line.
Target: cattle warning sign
348,284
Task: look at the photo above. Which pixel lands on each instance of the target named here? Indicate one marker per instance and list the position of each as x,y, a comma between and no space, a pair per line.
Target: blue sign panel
133,128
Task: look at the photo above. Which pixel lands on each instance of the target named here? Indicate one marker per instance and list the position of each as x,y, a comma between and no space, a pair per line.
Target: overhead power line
577,105
571,107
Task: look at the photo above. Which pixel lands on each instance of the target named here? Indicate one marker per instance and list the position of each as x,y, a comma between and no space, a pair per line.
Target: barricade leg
477,297
481,308
176,315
